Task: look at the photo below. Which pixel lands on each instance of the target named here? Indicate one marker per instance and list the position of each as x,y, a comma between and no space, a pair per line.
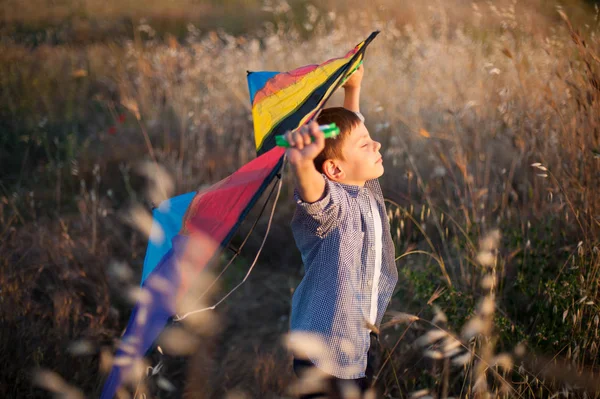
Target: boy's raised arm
309,182
352,90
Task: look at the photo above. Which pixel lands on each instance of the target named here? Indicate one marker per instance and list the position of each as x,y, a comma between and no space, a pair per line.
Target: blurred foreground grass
465,97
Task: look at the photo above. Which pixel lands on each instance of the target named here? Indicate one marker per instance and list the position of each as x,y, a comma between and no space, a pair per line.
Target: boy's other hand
355,79
305,143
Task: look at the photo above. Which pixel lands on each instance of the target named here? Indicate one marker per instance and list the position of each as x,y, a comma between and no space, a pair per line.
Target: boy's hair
345,120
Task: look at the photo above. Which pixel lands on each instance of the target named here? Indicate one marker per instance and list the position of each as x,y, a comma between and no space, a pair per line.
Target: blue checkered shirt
336,237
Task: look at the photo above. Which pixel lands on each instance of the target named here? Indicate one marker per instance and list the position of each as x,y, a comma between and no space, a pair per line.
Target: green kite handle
329,131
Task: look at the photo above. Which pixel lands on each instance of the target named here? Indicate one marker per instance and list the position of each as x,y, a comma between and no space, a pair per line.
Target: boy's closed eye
365,142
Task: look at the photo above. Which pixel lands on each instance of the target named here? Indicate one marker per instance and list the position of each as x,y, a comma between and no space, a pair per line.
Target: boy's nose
377,145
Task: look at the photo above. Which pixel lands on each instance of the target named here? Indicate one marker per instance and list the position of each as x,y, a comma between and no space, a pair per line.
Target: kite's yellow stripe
327,93
272,109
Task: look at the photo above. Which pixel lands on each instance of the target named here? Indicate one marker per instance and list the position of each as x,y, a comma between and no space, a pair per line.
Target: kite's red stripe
286,79
218,209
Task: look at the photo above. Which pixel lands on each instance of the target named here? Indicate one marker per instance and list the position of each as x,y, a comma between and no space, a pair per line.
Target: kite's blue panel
257,80
148,319
168,217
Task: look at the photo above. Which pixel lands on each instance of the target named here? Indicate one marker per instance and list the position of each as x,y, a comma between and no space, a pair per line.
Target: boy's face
362,159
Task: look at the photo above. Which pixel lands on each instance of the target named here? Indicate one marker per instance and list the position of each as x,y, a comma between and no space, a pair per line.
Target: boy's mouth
379,160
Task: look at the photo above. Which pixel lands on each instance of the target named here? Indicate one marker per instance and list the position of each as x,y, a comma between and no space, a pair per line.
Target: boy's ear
333,171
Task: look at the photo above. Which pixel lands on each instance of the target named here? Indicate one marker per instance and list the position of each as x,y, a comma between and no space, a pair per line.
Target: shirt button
372,246
369,282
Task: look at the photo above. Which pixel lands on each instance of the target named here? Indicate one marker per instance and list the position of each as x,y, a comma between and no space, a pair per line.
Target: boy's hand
355,79
303,148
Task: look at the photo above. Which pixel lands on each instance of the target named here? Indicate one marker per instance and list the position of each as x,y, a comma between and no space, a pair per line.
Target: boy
341,228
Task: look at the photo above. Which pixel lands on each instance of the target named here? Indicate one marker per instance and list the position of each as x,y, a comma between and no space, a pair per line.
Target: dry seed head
127,348
348,347
81,347
165,384
131,340
453,352
157,234
520,350
105,362
431,337
419,394
370,394
488,281
490,241
142,316
236,394
311,380
504,361
132,106
193,309
161,187
462,359
178,341
472,328
451,343
133,375
122,393
305,344
160,284
141,219
481,384
120,270
123,360
439,317
49,380
349,390
434,354
401,317
54,383
486,258
139,295
487,306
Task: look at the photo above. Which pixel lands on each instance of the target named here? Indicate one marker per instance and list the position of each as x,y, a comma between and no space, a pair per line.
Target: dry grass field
489,116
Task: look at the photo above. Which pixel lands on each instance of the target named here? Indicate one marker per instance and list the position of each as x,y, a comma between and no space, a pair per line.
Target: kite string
237,252
180,318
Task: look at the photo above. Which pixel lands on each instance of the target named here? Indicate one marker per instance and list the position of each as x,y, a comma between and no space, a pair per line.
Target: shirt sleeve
323,214
360,116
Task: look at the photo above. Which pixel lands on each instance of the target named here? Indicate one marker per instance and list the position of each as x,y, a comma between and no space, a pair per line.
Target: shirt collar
351,189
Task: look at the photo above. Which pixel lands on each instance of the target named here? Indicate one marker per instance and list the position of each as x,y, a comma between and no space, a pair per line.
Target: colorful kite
194,227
